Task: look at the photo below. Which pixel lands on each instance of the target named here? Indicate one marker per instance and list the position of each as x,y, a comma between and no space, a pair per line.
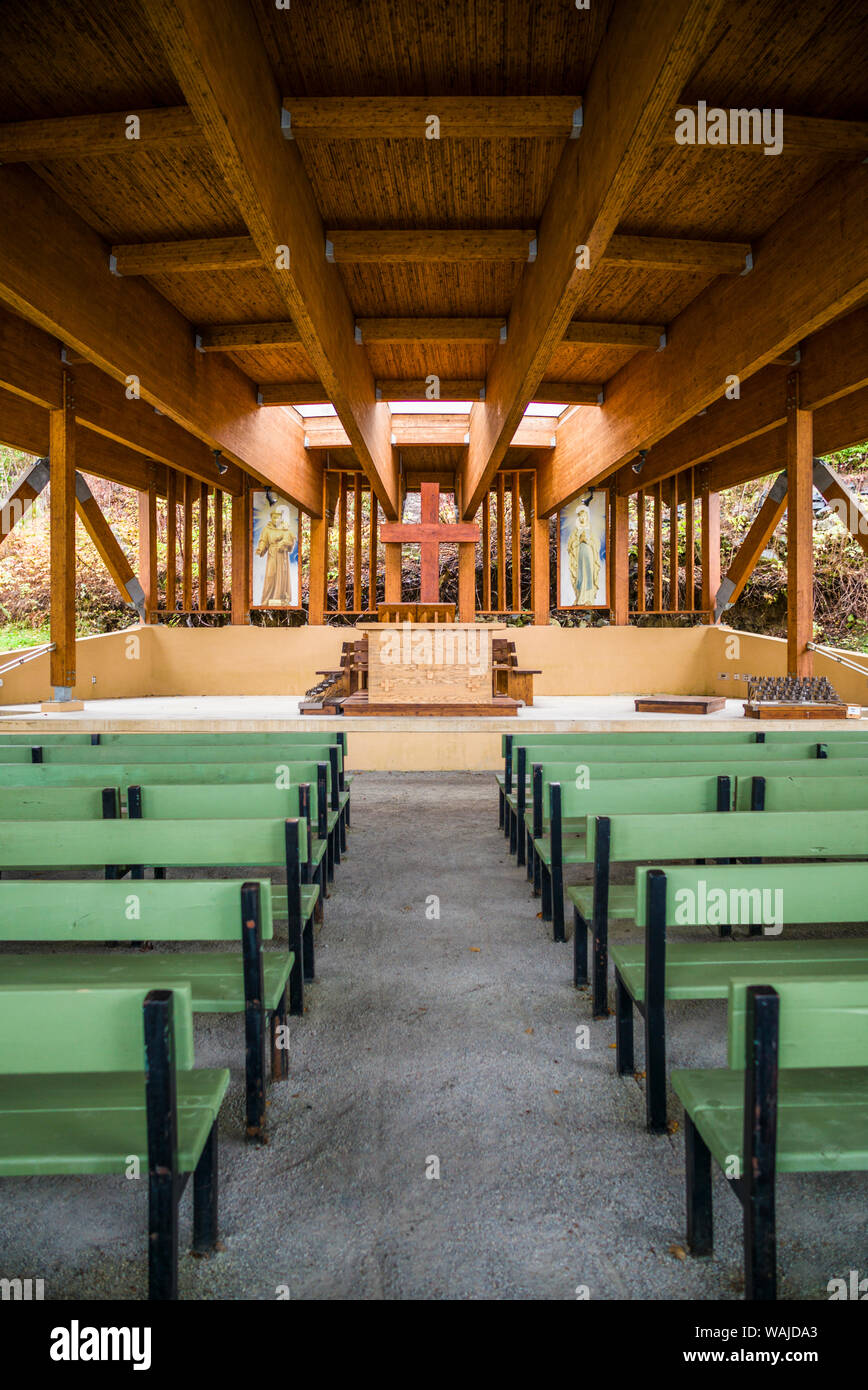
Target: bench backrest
716,894
56,803
78,754
647,755
163,843
737,834
226,803
657,796
804,793
821,1023
192,740
663,738
158,910
96,1029
126,774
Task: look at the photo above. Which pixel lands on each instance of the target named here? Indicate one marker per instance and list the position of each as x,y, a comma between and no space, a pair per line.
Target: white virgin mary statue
584,558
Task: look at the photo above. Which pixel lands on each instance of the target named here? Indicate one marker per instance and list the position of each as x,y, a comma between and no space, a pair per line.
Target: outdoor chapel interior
423,332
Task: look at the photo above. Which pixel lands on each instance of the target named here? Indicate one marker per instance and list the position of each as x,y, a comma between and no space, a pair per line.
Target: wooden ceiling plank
89,137
641,67
216,52
75,299
457,117
733,329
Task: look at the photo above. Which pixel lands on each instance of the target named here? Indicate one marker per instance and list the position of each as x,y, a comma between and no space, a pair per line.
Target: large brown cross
429,535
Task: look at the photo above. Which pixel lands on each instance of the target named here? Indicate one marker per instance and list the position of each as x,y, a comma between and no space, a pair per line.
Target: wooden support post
640,551
373,552
357,544
171,540
710,557
619,573
657,556
501,544
241,556
673,543
466,582
318,562
342,546
516,545
393,573
62,541
219,601
203,547
486,553
187,544
689,542
540,550
148,549
800,533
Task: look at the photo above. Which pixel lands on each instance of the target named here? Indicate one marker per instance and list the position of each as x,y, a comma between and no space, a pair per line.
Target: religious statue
583,555
277,541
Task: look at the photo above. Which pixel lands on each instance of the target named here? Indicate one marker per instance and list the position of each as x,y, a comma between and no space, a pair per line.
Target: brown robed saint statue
429,535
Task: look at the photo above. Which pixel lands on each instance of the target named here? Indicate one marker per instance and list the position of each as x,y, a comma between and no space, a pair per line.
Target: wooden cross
429,535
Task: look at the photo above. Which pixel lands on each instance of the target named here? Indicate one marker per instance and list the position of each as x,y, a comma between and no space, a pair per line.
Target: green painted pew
82,1091
792,1099
641,839
226,844
58,803
249,982
797,793
650,972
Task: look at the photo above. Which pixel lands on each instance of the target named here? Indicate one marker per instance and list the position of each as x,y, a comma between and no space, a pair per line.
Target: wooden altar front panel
430,663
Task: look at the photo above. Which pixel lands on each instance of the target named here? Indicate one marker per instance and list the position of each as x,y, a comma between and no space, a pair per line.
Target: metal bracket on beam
39,475
137,596
721,600
778,490
578,122
286,124
748,263
601,395
330,251
113,265
378,394
664,339
259,398
393,438
467,437
357,333
198,342
531,250
503,332
482,393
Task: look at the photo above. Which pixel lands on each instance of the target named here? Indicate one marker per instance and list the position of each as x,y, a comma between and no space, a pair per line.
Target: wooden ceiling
90,57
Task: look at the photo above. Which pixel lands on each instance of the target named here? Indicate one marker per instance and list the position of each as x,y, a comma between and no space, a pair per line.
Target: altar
430,668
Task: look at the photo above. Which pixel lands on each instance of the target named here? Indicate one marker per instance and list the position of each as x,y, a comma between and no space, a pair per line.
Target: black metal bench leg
342,827
546,891
163,1236
530,856
655,1067
600,935
279,1053
308,951
580,949
537,874
296,978
513,832
254,1036
500,800
520,843
336,841
700,1226
558,927
205,1197
624,1062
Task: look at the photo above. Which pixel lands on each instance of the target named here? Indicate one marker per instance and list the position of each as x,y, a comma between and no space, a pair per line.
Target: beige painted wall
734,655
114,666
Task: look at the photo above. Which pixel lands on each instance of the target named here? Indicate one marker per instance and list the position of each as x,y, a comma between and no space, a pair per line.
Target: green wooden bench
792,1099
797,793
58,803
643,839
657,796
201,844
92,1077
249,982
650,972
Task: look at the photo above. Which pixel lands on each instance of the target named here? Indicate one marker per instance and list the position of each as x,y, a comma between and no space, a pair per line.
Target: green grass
15,635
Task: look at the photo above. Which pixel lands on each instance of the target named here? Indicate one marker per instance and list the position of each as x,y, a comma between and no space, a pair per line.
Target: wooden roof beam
732,329
424,431
246,337
679,254
440,330
87,137
646,57
432,118
417,389
617,335
805,134
217,55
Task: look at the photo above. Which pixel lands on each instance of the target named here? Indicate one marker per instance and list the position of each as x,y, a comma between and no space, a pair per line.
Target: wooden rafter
88,137
217,55
807,134
407,118
410,246
243,337
420,389
21,496
246,337
673,254
619,335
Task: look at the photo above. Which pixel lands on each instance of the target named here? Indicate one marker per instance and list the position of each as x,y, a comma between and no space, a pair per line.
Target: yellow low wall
733,656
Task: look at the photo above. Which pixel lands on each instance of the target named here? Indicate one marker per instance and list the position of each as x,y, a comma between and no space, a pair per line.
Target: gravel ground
439,1041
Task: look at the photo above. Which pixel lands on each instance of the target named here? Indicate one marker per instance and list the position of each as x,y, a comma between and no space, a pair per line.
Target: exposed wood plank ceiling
89,57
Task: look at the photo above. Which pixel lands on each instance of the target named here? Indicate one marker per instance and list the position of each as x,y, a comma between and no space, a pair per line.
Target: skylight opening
545,408
310,412
430,407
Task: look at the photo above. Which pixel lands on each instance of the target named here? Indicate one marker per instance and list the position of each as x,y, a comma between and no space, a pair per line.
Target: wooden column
640,551
61,437
241,556
516,545
393,573
218,550
171,540
619,572
501,545
318,562
357,544
673,543
541,562
486,553
373,553
342,546
466,582
657,556
800,533
710,542
203,547
187,558
689,542
148,549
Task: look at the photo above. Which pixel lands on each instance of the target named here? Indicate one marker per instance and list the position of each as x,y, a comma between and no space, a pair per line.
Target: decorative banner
582,571
274,565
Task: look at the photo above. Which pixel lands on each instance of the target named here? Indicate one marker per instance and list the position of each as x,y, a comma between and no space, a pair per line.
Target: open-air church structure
429,337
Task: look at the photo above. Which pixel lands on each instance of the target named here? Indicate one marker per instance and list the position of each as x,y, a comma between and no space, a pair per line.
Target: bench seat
622,901
705,969
822,1116
93,1123
216,978
575,849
